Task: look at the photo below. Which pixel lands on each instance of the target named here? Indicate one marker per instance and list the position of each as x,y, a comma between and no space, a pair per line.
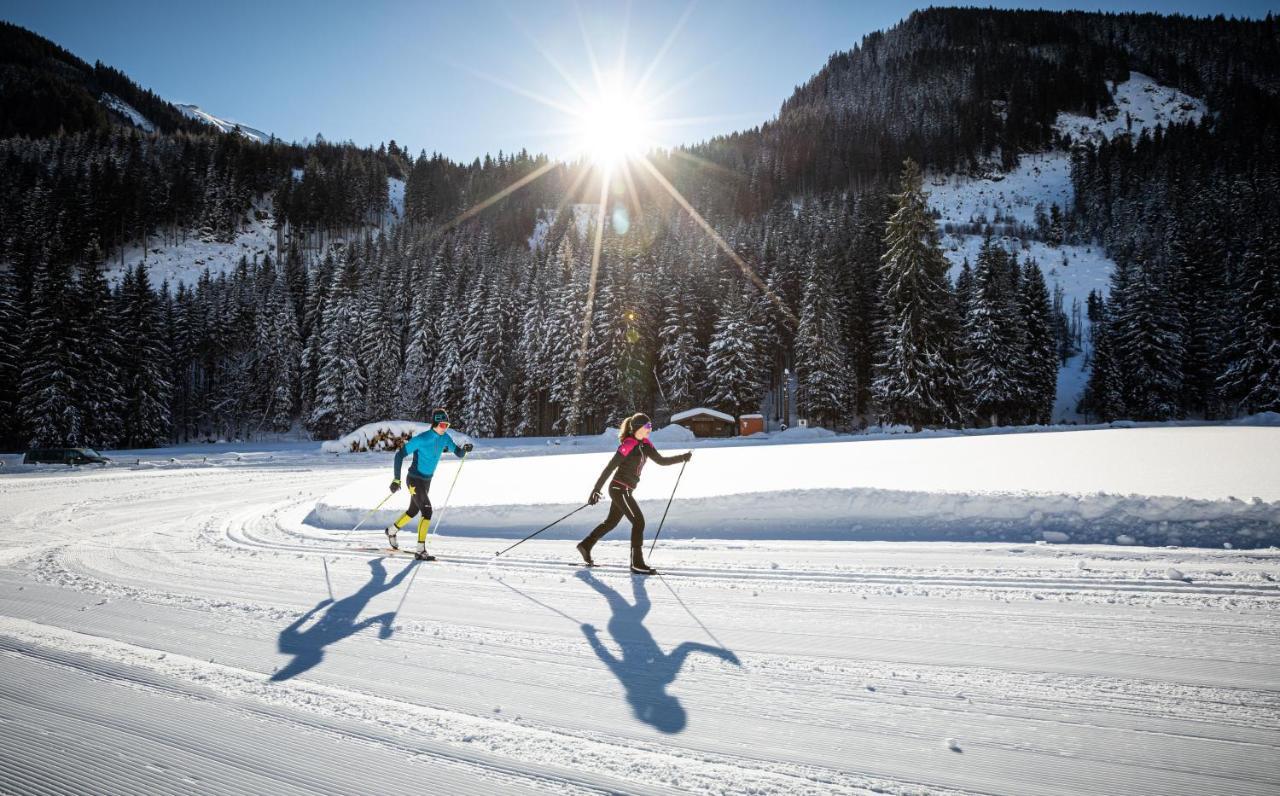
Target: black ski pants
418,499
621,504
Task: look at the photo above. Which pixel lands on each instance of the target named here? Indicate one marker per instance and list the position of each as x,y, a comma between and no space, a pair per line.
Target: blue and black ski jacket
426,448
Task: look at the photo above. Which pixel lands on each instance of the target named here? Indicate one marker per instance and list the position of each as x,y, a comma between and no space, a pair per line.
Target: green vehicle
71,456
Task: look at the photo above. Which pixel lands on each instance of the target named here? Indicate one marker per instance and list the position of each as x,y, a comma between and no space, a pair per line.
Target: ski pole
370,513
668,508
449,494
543,528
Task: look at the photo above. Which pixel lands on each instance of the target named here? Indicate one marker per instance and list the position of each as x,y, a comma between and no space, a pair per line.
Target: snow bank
796,433
1172,486
382,435
667,435
1259,419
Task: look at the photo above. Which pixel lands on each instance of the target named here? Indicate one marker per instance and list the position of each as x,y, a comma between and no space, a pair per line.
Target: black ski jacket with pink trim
629,461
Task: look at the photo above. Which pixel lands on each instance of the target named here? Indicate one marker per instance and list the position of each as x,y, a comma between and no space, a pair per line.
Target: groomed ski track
184,631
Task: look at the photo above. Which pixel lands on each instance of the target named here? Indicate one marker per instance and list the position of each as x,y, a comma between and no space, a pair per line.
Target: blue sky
457,77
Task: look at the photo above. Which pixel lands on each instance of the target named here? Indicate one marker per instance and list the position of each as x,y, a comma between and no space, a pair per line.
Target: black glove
467,447
594,499
395,486
687,455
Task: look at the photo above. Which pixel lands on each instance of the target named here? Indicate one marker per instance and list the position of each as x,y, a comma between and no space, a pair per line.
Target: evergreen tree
916,379
733,382
994,362
339,399
10,360
279,354
146,388
1041,345
1148,345
823,375
98,388
1251,382
54,366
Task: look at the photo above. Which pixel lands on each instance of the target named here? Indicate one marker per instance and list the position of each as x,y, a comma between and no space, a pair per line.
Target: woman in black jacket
629,460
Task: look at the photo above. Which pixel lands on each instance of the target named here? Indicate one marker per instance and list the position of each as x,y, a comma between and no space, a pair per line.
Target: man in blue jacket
426,449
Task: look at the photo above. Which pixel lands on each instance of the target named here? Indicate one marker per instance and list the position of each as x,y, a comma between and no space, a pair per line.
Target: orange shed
750,424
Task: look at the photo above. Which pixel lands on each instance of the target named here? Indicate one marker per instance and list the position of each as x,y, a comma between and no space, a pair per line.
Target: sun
614,128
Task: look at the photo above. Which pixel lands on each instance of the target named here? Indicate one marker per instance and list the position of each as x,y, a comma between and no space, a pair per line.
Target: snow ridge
127,111
225,125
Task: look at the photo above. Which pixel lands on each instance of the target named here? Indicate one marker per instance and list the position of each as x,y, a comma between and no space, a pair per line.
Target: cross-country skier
426,449
634,449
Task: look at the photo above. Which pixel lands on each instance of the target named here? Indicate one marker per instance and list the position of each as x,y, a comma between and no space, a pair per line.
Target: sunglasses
648,426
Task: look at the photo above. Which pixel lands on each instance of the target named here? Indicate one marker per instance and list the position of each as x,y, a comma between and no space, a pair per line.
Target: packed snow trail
186,630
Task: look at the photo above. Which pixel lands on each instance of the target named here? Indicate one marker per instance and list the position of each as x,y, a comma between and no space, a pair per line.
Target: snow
127,111
1042,180
1140,103
186,628
186,260
1073,377
701,410
223,124
395,195
1174,485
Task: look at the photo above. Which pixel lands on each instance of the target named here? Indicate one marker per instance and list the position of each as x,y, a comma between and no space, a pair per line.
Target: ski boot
638,567
585,550
422,554
391,531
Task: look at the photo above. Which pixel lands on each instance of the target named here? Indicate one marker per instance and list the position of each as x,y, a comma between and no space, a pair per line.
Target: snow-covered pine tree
54,346
380,343
916,381
1251,381
1041,349
98,390
993,351
484,377
533,353
1103,394
733,378
823,373
144,375
10,359
680,357
339,399
279,356
1148,345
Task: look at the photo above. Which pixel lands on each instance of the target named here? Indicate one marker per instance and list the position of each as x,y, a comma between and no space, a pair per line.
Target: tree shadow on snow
644,669
339,621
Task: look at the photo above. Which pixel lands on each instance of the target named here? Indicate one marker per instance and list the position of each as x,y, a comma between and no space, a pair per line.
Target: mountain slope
45,89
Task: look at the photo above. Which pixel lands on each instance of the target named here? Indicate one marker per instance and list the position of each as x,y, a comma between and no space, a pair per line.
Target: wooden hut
705,422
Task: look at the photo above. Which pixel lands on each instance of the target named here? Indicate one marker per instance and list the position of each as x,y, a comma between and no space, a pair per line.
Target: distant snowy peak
114,103
1140,104
225,125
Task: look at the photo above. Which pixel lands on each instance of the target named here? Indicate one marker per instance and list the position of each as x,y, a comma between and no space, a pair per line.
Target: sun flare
613,129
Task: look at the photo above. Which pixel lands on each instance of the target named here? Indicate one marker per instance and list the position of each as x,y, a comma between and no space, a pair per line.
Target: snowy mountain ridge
126,110
225,125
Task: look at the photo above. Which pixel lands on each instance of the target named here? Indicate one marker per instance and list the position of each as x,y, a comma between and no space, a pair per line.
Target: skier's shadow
644,669
307,646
